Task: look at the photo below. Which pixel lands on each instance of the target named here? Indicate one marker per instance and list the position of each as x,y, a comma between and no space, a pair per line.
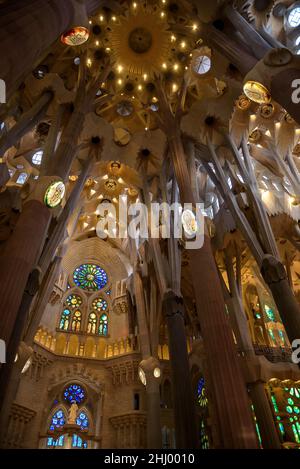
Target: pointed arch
103,325
65,320
76,321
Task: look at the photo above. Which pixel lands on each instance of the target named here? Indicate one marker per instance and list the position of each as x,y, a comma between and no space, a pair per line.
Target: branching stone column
154,439
185,421
232,402
27,121
20,254
275,276
39,24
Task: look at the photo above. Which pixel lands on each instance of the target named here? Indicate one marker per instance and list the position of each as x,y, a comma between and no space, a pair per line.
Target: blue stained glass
58,420
77,442
74,392
83,421
100,304
65,320
90,277
201,393
103,325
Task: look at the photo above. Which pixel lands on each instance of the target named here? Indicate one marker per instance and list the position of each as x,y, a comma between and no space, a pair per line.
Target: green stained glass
256,426
296,410
274,403
289,409
296,433
103,325
270,313
290,401
90,277
281,428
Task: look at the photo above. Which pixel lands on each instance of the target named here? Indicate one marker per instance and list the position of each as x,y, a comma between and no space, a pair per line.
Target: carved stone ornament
278,57
272,270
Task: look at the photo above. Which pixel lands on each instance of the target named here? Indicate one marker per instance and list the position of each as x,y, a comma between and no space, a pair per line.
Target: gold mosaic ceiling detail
141,42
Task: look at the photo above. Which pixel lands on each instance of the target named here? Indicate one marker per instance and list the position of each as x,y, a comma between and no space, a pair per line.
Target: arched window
76,322
286,410
65,320
58,420
92,324
103,325
78,442
22,178
201,393
74,393
83,421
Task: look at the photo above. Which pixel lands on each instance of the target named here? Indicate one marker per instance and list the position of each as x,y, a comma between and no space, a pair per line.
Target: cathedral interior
116,341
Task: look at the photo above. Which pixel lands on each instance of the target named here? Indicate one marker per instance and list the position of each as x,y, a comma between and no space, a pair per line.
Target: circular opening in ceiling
210,120
294,17
145,152
125,108
140,40
97,30
202,64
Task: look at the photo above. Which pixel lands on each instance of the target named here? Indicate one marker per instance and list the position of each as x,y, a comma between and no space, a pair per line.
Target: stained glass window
51,442
100,305
103,325
286,406
294,17
76,322
270,313
65,320
92,324
90,277
83,421
204,441
201,393
74,392
22,178
74,301
256,427
78,442
58,420
108,292
37,158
